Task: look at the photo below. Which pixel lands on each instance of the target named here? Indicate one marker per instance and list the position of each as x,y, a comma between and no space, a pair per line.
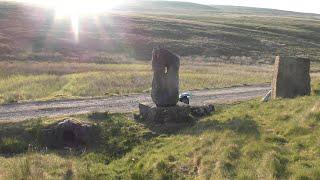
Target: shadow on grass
98,116
316,92
110,136
170,126
242,125
15,137
245,125
31,136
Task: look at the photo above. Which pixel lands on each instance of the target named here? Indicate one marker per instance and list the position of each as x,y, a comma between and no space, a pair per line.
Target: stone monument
165,83
168,114
291,77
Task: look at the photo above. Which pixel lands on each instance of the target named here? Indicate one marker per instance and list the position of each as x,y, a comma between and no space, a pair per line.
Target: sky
308,6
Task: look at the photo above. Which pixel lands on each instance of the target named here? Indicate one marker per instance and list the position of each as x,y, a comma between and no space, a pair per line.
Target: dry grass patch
50,80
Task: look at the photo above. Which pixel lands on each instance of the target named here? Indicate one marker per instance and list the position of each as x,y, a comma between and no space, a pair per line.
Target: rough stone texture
173,117
291,77
165,84
163,115
67,132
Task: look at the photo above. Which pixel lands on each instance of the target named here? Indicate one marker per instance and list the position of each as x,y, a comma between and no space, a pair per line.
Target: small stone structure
67,132
162,115
169,119
291,77
165,83
177,114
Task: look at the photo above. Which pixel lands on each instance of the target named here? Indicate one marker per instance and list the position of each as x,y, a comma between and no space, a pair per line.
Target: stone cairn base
172,118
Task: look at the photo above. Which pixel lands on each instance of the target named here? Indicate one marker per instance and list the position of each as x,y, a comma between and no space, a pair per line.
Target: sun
75,9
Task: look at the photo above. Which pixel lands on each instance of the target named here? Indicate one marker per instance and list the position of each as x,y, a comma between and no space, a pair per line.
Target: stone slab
291,77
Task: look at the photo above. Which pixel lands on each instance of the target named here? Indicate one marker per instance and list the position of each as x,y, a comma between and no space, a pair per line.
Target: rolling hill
165,6
220,32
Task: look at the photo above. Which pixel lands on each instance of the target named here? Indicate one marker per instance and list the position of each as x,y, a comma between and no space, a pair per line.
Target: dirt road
23,111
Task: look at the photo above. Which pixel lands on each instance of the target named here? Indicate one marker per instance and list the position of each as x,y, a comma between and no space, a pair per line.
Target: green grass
111,137
249,140
21,81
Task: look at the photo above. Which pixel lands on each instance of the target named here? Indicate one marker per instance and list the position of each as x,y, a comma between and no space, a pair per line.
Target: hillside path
122,104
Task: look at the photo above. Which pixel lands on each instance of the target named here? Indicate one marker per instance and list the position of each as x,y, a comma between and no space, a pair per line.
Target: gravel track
122,104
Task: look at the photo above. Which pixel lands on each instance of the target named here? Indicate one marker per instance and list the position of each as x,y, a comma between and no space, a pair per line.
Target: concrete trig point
291,77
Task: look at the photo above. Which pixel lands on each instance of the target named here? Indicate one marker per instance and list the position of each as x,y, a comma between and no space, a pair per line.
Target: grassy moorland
39,58
249,140
49,80
34,80
249,34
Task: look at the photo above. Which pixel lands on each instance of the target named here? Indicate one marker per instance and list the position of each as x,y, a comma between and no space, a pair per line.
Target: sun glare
75,26
75,9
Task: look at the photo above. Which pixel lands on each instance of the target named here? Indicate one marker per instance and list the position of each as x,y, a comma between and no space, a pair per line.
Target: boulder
165,83
291,77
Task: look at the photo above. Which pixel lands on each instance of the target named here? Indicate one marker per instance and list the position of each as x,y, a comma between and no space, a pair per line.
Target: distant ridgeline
209,32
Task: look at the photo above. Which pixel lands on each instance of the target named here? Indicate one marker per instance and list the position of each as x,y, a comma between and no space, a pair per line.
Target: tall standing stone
165,84
168,115
291,77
